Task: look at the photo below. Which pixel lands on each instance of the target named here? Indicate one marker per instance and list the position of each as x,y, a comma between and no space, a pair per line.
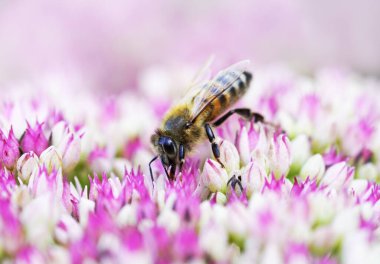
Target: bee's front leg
214,146
171,175
181,156
150,169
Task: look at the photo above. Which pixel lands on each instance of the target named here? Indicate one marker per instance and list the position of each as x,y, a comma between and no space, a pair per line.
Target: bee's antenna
150,169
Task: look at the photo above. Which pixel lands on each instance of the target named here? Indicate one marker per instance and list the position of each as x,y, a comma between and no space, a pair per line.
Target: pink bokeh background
109,44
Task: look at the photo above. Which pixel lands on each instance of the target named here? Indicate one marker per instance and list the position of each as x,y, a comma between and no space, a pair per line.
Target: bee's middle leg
214,146
244,112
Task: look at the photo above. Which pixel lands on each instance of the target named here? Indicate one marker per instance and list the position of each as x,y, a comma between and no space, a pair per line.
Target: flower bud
214,176
69,150
279,155
51,158
26,164
9,150
259,143
229,156
68,144
243,145
314,168
34,140
220,198
253,177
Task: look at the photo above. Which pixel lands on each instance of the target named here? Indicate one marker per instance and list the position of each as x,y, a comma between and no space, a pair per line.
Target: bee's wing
206,92
201,77
204,73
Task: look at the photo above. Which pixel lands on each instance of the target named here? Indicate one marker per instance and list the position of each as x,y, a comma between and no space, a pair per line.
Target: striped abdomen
230,96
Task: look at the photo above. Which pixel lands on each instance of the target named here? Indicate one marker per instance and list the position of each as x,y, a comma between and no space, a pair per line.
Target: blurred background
108,46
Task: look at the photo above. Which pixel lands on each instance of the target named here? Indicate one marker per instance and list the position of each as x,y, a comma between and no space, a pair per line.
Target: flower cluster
301,187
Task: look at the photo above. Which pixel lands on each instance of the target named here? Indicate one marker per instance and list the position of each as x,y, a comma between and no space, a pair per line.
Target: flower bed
75,184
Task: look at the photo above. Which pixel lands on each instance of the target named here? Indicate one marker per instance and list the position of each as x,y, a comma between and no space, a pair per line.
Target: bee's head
166,148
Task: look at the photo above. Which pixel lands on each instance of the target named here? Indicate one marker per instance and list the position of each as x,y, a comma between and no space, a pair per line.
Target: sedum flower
9,150
254,177
214,176
314,168
368,171
301,150
51,159
338,176
26,165
307,194
279,155
68,144
34,139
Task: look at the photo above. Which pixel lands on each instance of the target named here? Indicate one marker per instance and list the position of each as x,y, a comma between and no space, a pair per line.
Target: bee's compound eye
168,145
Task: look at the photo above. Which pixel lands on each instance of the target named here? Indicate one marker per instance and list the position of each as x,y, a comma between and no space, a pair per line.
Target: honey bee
203,107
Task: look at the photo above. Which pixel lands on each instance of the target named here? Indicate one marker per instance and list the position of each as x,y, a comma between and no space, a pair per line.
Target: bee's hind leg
244,112
214,146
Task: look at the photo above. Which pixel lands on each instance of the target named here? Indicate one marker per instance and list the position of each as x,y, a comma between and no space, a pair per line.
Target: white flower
169,219
127,215
271,254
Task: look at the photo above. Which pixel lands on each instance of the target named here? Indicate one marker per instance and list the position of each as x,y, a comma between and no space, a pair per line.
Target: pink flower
9,150
34,139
